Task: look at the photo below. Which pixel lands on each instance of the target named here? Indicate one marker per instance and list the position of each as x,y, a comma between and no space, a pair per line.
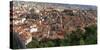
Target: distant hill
58,5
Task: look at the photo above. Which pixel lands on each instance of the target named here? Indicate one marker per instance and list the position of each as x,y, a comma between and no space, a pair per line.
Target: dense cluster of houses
47,23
